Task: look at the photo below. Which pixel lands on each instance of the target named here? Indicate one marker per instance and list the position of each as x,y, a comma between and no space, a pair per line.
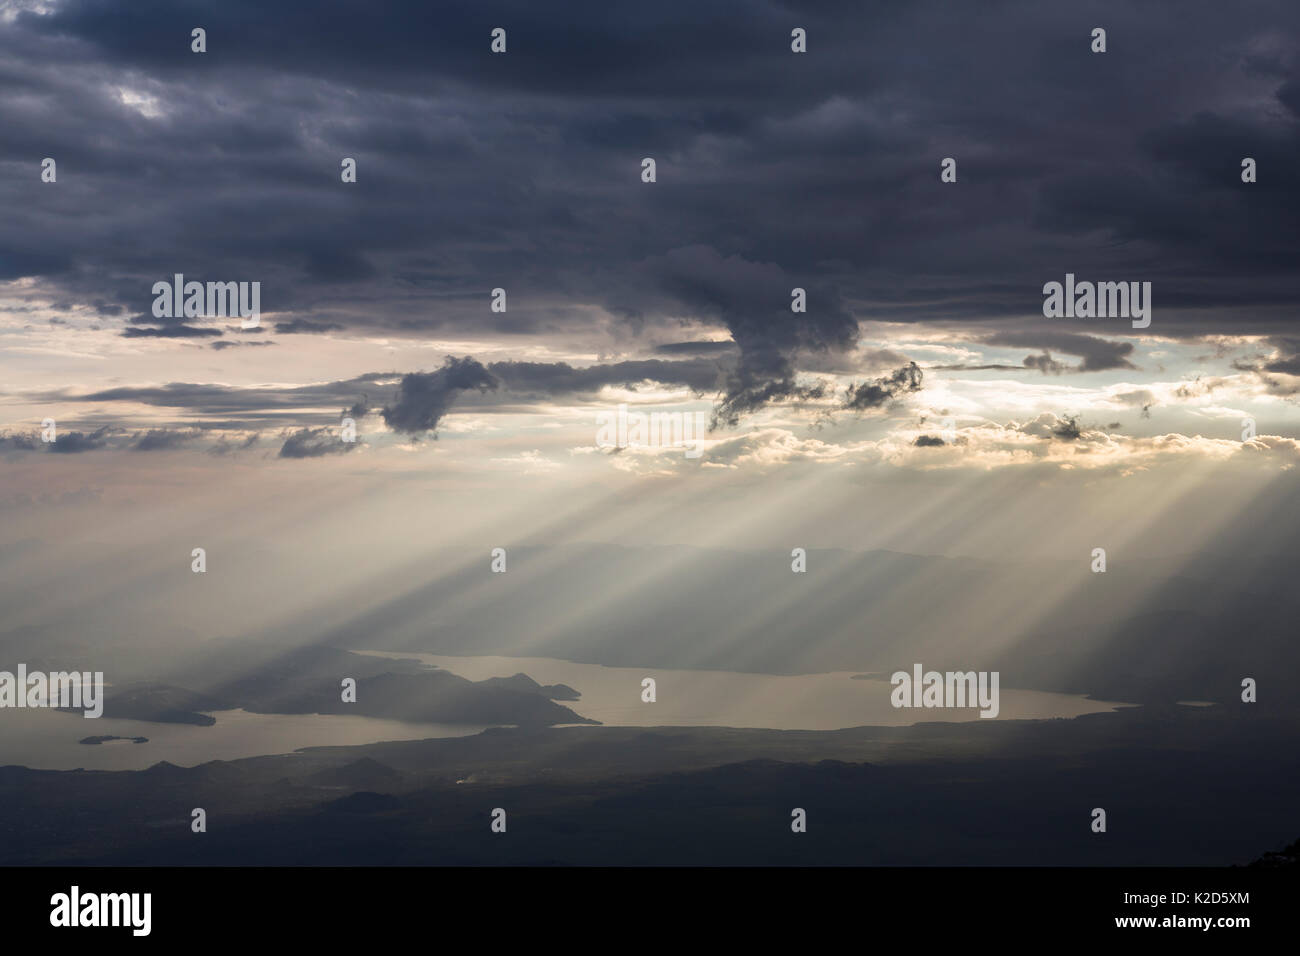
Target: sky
923,402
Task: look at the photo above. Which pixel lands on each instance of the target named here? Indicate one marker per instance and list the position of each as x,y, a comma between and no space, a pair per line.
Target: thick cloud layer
775,169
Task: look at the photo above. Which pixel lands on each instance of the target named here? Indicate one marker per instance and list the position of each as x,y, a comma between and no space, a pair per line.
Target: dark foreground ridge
978,793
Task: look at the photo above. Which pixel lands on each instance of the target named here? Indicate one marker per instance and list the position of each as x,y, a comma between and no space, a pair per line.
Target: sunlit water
830,701
48,739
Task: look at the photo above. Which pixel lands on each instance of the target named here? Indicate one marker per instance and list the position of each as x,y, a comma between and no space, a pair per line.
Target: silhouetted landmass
309,681
106,738
522,682
1287,856
1181,786
161,704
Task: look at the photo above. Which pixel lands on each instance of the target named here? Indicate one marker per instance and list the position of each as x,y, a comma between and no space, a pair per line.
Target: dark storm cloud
423,398
228,400
767,376
1067,429
161,439
297,326
1097,354
867,395
228,344
1283,357
775,170
1045,364
72,443
315,443
754,300
1286,357
169,332
18,441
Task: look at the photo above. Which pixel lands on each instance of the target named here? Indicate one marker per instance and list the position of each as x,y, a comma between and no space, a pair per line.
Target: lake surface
830,701
48,739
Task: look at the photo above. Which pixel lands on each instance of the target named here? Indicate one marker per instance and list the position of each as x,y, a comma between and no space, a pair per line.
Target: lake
830,701
48,739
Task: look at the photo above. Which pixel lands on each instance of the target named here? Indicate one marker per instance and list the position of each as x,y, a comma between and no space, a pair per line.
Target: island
96,741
